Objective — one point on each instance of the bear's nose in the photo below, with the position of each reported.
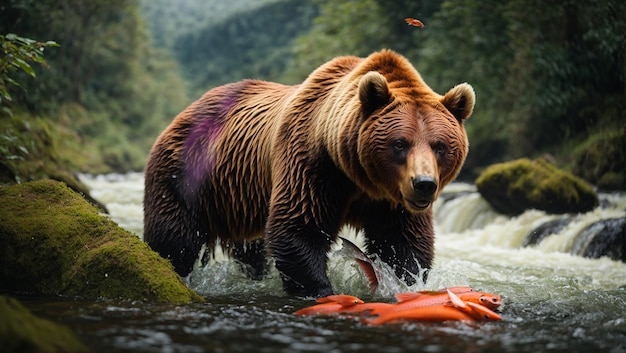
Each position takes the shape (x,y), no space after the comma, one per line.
(424,185)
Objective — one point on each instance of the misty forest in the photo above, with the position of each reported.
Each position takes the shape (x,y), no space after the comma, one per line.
(549,79)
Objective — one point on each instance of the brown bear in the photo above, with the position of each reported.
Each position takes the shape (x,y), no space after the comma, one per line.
(362,142)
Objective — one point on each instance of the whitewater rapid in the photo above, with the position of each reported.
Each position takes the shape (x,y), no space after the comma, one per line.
(552,299)
(474,244)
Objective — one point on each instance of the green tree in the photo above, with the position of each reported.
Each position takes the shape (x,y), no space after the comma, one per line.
(468,42)
(107,81)
(252,44)
(545,72)
(343,27)
(17,52)
(170,20)
(360,27)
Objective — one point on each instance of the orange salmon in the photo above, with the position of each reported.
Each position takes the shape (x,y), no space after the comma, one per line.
(481,312)
(425,313)
(454,289)
(488,300)
(407,301)
(363,308)
(468,294)
(456,310)
(477,311)
(343,299)
(412,300)
(424,298)
(424,306)
(338,309)
(332,304)
(320,309)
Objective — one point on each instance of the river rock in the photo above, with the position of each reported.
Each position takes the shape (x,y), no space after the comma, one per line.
(52,241)
(547,229)
(21,331)
(606,237)
(516,186)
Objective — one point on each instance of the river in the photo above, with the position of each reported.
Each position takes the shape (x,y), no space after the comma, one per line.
(553,301)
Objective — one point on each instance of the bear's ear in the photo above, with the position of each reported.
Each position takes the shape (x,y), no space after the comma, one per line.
(460,101)
(373,92)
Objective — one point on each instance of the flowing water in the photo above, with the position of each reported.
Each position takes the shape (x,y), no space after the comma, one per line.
(553,301)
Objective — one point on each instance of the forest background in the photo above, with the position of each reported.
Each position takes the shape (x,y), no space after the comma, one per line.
(549,76)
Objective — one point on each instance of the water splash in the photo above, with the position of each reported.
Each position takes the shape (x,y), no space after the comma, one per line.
(474,246)
(552,300)
(468,213)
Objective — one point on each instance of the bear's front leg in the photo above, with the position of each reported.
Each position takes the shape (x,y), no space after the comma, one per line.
(300,254)
(251,257)
(402,239)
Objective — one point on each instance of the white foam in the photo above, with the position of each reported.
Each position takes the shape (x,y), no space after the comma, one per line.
(474,246)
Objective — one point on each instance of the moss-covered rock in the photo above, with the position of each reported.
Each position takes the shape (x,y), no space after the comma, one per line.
(52,241)
(21,331)
(601,159)
(516,186)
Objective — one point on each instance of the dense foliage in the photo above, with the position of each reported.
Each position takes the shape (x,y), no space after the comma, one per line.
(255,44)
(549,76)
(17,54)
(358,27)
(546,73)
(105,81)
(171,20)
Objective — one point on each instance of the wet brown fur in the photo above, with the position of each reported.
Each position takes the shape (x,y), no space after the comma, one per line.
(293,164)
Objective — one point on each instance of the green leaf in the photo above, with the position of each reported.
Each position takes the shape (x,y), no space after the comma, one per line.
(7,111)
(12,81)
(23,149)
(4,94)
(25,67)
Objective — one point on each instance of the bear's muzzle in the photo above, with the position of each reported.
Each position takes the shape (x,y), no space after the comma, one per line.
(425,189)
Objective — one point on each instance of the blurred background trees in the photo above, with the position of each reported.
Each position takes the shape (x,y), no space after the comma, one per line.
(549,76)
(106,82)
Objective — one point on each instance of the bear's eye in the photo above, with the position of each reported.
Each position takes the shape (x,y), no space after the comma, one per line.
(440,148)
(399,145)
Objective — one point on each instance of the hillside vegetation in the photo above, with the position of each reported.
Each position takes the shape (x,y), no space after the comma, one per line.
(549,76)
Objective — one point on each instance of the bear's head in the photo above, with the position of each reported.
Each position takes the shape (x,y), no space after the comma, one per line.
(411,141)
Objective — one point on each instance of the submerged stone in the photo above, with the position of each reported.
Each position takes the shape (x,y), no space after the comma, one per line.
(606,237)
(554,226)
(516,186)
(21,331)
(52,241)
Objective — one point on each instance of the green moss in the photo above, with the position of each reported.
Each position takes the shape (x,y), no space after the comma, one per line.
(52,241)
(612,181)
(522,184)
(601,159)
(109,270)
(21,331)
